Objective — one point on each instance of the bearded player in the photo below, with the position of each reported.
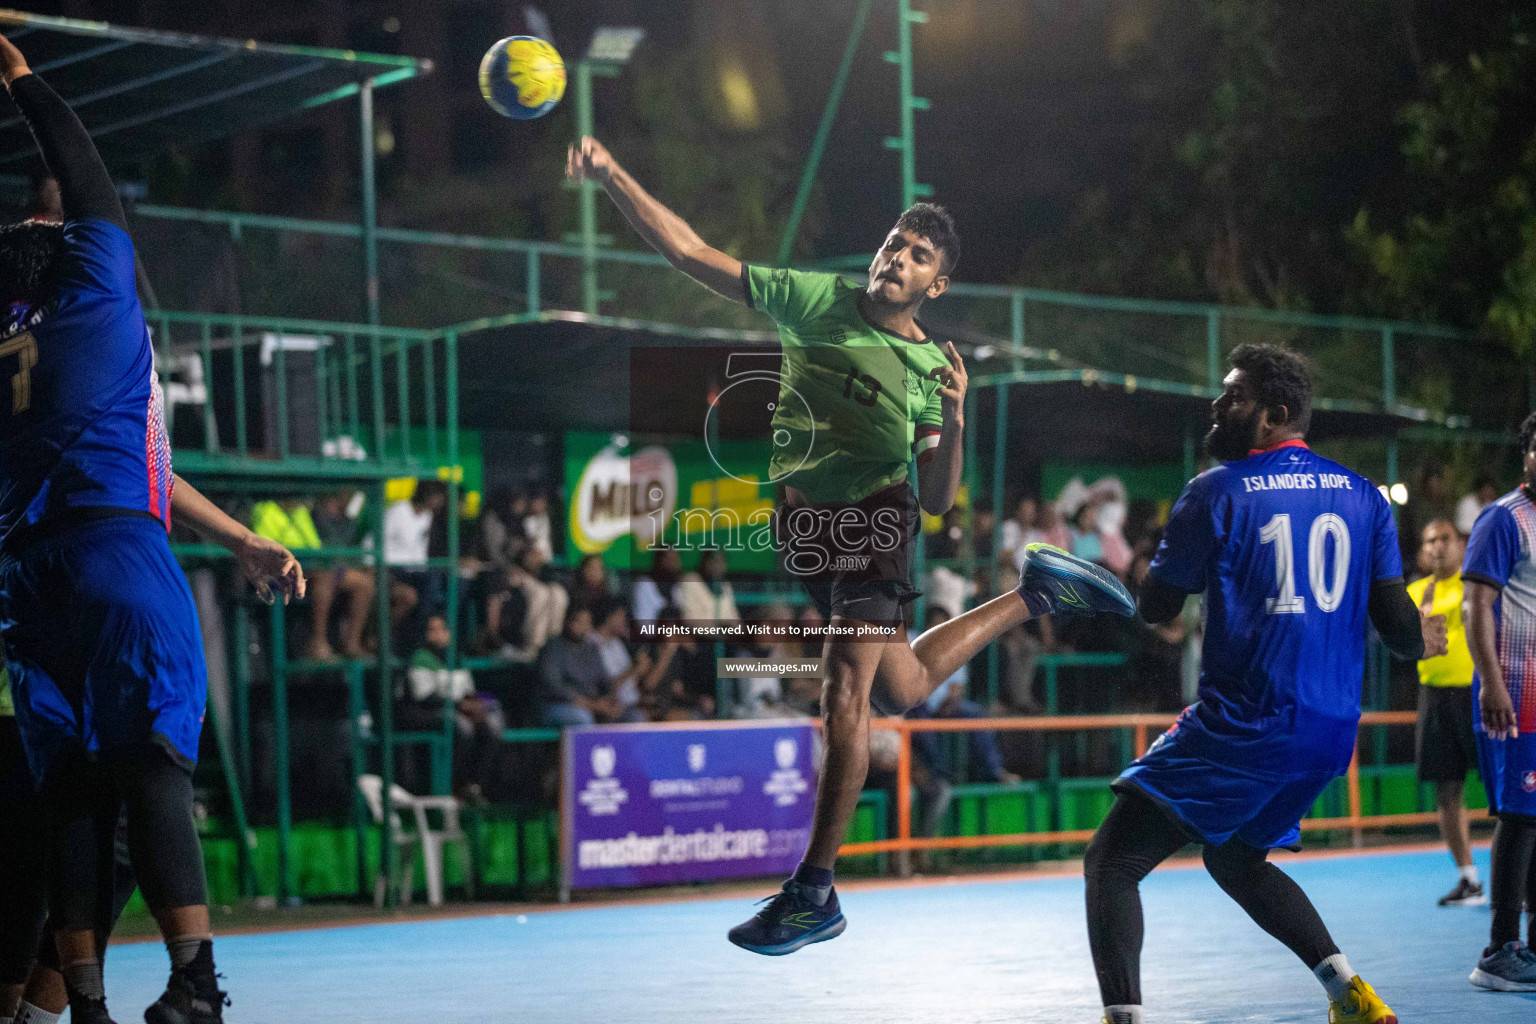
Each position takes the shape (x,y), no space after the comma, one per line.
(864,389)
(1297,557)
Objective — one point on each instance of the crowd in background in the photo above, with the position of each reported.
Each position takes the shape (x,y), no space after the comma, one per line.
(553,645)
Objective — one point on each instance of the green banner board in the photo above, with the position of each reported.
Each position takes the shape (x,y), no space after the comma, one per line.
(627,493)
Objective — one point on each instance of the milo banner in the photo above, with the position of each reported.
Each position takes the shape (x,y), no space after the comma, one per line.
(662,804)
(627,495)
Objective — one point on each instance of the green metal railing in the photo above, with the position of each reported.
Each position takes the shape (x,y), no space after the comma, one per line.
(365,405)
(1427,372)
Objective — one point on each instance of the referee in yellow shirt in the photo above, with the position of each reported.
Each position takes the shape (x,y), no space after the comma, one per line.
(1443,740)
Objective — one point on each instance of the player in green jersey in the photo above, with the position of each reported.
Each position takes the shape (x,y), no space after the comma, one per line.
(864,389)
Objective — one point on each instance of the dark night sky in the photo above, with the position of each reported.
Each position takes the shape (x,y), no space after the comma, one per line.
(1035,102)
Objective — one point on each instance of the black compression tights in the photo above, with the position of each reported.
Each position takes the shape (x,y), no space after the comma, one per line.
(1135,838)
(1512,879)
(84,800)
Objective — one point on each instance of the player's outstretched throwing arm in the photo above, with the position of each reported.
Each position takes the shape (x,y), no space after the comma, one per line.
(662,229)
(85,188)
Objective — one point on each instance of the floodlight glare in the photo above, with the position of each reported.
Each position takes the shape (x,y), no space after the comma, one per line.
(615,45)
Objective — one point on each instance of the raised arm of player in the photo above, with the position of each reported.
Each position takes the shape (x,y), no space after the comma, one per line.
(259,559)
(662,229)
(85,188)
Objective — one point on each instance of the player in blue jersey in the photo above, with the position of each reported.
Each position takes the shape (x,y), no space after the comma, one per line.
(1296,556)
(32,986)
(102,641)
(1499,608)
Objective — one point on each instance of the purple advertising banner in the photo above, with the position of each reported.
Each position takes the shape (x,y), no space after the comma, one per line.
(657,804)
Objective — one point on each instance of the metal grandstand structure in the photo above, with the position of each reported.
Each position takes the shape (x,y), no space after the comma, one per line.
(294,404)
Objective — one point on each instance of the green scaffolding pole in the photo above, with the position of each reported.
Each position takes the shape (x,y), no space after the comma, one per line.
(280,740)
(389,854)
(999,477)
(370,204)
(589,240)
(588,193)
(246,866)
(906,143)
(823,132)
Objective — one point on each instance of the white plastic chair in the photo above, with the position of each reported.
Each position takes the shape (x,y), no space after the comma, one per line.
(431,841)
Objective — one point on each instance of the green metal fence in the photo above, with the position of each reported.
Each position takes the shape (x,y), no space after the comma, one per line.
(286,406)
(294,405)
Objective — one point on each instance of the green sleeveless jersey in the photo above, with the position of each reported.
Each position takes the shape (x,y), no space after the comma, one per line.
(855,402)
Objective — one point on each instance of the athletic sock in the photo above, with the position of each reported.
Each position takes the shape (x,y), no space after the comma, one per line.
(184,949)
(1125,1014)
(29,1014)
(815,882)
(84,979)
(7,1020)
(1469,874)
(1335,974)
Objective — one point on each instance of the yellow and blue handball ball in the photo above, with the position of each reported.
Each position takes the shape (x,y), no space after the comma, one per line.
(522,77)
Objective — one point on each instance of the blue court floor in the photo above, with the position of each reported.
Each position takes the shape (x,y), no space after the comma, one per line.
(971,951)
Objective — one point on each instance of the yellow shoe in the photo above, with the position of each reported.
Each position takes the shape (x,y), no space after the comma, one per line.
(1361,1006)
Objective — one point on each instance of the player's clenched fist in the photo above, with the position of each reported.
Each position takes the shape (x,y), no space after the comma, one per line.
(588,158)
(1498,712)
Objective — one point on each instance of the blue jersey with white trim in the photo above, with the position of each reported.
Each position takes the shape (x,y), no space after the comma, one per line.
(1285,545)
(1502,554)
(84,425)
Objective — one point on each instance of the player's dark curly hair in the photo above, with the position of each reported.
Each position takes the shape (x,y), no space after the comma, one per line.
(1528,433)
(30,255)
(1279,377)
(933,222)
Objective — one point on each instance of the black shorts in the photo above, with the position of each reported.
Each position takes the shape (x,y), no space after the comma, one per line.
(855,561)
(1443,743)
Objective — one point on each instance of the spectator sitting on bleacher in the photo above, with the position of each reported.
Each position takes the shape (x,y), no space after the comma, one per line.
(681,682)
(502,539)
(653,592)
(1050,528)
(802,694)
(1085,533)
(590,583)
(407,534)
(1015,531)
(525,610)
(573,682)
(477,718)
(536,526)
(949,701)
(624,671)
(704,595)
(763,696)
(290,524)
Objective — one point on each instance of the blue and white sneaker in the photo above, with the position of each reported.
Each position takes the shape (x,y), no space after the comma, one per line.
(790,921)
(1073,585)
(1511,968)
